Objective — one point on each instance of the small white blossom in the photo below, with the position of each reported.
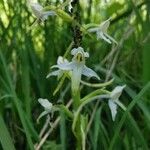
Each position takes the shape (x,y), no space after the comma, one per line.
(101,32)
(48,107)
(46,104)
(39,12)
(78,67)
(114,98)
(58,72)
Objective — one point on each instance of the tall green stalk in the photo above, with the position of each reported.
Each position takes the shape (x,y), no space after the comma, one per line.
(76,94)
(77,132)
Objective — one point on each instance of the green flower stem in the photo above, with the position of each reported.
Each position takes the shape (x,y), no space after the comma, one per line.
(65,110)
(77,113)
(76,99)
(77,131)
(68,49)
(93,94)
(78,105)
(60,84)
(97,85)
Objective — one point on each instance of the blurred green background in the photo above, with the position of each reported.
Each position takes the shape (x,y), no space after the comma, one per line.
(26,57)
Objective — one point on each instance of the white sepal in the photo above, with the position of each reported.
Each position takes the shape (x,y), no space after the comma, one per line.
(115,94)
(46,104)
(89,72)
(114,100)
(113,109)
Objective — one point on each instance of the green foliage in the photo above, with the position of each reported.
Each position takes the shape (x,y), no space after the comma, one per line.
(26,56)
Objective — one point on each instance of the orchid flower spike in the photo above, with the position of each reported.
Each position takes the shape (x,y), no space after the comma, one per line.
(114,98)
(58,72)
(48,107)
(101,31)
(78,67)
(39,12)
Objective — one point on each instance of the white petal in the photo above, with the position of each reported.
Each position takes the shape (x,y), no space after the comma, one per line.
(66,66)
(36,6)
(74,51)
(113,109)
(41,115)
(101,35)
(79,50)
(46,104)
(115,94)
(61,60)
(112,39)
(86,54)
(89,72)
(54,73)
(37,9)
(104,25)
(70,6)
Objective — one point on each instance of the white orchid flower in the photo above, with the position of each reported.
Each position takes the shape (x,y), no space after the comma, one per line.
(48,107)
(58,72)
(114,99)
(101,32)
(39,12)
(78,67)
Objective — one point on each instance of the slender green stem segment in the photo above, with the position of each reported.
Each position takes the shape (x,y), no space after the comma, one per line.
(5,137)
(77,38)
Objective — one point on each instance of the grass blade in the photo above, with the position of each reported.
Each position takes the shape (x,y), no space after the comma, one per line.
(5,138)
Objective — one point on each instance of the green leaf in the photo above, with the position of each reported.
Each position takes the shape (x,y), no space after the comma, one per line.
(5,137)
(115,6)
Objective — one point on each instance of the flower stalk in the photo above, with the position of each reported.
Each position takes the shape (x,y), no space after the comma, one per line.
(74,69)
(77,37)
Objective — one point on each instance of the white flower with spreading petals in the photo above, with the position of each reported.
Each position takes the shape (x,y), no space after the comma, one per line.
(58,72)
(48,107)
(78,67)
(39,12)
(101,32)
(114,99)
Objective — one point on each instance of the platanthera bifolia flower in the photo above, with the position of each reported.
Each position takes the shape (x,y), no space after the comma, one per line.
(101,32)
(48,107)
(114,98)
(77,67)
(39,12)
